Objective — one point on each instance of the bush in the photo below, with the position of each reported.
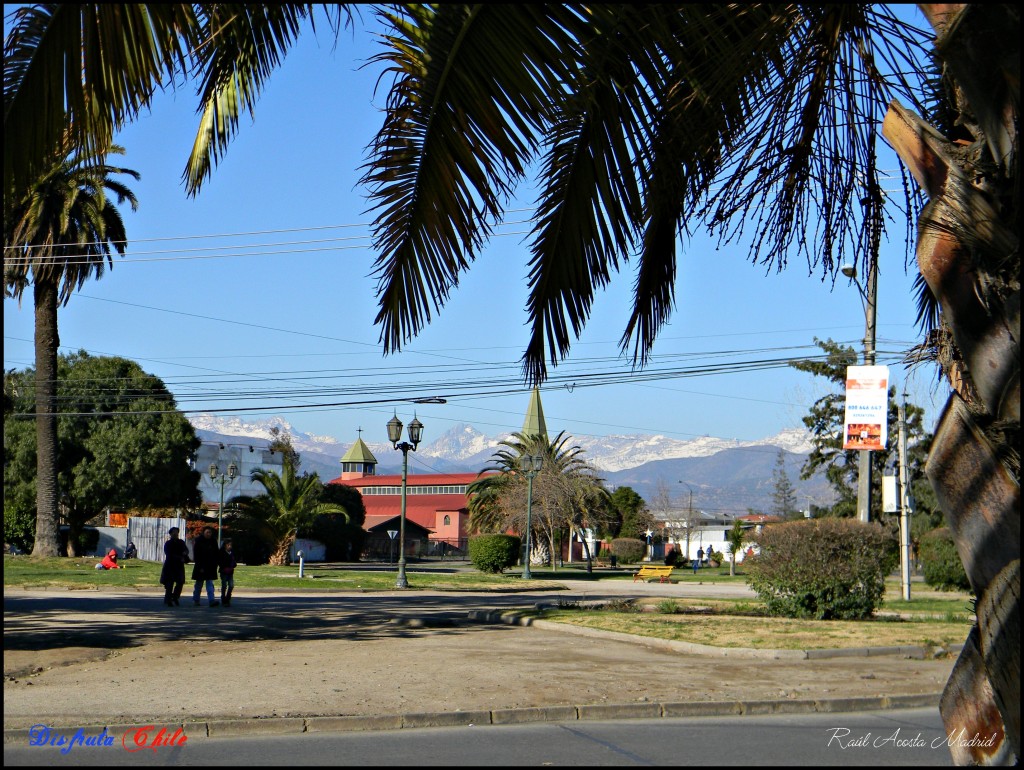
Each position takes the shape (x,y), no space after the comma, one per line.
(494,553)
(823,568)
(628,549)
(672,558)
(941,562)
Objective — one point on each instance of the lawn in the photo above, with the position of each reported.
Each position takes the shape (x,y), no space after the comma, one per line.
(81,573)
(931,619)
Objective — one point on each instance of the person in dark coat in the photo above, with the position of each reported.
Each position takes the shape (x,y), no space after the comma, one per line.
(227,572)
(206,556)
(172,576)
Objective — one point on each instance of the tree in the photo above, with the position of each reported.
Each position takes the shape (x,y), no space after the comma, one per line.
(567,493)
(644,122)
(825,422)
(281,441)
(61,231)
(631,510)
(783,494)
(289,503)
(122,443)
(735,537)
(342,535)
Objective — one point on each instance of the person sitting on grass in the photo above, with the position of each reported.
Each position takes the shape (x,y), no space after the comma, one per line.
(109,561)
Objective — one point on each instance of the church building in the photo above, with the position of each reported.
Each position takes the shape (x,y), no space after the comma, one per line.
(436,507)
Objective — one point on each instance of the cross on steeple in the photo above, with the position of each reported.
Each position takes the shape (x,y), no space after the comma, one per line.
(360,432)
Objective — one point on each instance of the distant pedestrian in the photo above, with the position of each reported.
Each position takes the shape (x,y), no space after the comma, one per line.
(205,555)
(708,555)
(130,551)
(700,555)
(172,576)
(696,562)
(109,561)
(227,572)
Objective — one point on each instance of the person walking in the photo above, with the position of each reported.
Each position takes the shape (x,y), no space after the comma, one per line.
(205,555)
(172,575)
(698,560)
(227,572)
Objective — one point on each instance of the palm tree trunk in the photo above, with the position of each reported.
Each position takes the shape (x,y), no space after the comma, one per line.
(279,558)
(967,239)
(47,542)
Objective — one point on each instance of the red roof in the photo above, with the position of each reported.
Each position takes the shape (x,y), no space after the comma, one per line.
(414,480)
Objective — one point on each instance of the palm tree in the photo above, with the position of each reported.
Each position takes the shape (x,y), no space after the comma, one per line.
(645,122)
(735,537)
(568,494)
(61,233)
(289,503)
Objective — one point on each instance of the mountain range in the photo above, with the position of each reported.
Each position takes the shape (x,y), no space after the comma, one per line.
(724,475)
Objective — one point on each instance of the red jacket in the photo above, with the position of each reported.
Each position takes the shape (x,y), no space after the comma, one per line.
(110,560)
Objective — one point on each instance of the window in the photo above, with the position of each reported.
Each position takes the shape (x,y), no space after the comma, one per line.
(447,520)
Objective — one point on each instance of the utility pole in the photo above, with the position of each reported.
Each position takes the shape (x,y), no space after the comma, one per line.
(905,501)
(870,302)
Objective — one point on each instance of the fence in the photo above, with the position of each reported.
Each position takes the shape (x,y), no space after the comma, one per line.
(149,535)
(386,550)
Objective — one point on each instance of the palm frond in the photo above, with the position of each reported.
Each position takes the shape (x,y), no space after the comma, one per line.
(471,87)
(83,69)
(244,44)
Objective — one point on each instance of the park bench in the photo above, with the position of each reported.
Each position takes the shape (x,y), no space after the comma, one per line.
(663,573)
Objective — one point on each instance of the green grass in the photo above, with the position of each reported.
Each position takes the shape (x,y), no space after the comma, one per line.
(80,573)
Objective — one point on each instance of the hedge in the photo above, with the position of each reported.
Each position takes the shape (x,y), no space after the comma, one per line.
(494,553)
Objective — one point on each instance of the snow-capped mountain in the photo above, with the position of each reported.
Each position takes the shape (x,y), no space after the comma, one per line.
(465,446)
(726,474)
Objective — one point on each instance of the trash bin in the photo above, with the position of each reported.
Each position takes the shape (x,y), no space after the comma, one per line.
(614,560)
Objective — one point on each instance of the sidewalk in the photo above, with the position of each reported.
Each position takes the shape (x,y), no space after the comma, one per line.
(279,661)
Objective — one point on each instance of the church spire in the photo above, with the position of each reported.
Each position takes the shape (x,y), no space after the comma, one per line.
(534,424)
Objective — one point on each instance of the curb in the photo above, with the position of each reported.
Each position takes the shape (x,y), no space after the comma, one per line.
(516,619)
(592,712)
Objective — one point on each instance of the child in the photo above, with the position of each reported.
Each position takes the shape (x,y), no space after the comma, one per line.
(227,573)
(109,561)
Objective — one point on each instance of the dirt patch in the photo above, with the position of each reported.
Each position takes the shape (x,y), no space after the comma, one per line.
(415,670)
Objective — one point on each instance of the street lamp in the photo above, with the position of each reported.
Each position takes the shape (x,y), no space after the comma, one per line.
(395,436)
(530,465)
(689,519)
(869,300)
(217,478)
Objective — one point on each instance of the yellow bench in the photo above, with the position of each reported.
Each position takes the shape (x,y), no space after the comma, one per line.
(663,573)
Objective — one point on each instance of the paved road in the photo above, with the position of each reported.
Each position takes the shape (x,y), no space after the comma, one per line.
(89,657)
(905,738)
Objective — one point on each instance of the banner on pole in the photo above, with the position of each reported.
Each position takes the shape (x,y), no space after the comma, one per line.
(867,407)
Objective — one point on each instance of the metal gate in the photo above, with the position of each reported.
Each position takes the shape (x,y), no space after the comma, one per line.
(149,535)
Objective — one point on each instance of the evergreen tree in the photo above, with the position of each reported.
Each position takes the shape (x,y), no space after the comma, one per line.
(783,493)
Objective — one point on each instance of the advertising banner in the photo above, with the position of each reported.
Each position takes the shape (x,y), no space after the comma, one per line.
(867,407)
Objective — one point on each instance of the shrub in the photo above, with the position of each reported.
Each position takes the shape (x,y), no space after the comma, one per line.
(629,550)
(941,562)
(822,568)
(672,558)
(494,553)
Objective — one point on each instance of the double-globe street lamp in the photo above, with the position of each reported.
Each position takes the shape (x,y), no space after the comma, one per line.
(395,436)
(869,299)
(530,465)
(223,479)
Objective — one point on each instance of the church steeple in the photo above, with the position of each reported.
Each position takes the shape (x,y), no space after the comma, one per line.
(534,424)
(358,461)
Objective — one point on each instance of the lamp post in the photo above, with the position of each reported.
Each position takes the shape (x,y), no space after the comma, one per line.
(689,519)
(869,300)
(395,436)
(530,465)
(218,478)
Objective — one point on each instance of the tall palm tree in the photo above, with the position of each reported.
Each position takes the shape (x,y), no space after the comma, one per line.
(289,503)
(568,494)
(57,236)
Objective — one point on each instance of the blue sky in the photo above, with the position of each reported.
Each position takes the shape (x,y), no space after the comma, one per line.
(294,315)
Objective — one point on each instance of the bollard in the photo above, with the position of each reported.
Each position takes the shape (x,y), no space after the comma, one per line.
(302,563)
